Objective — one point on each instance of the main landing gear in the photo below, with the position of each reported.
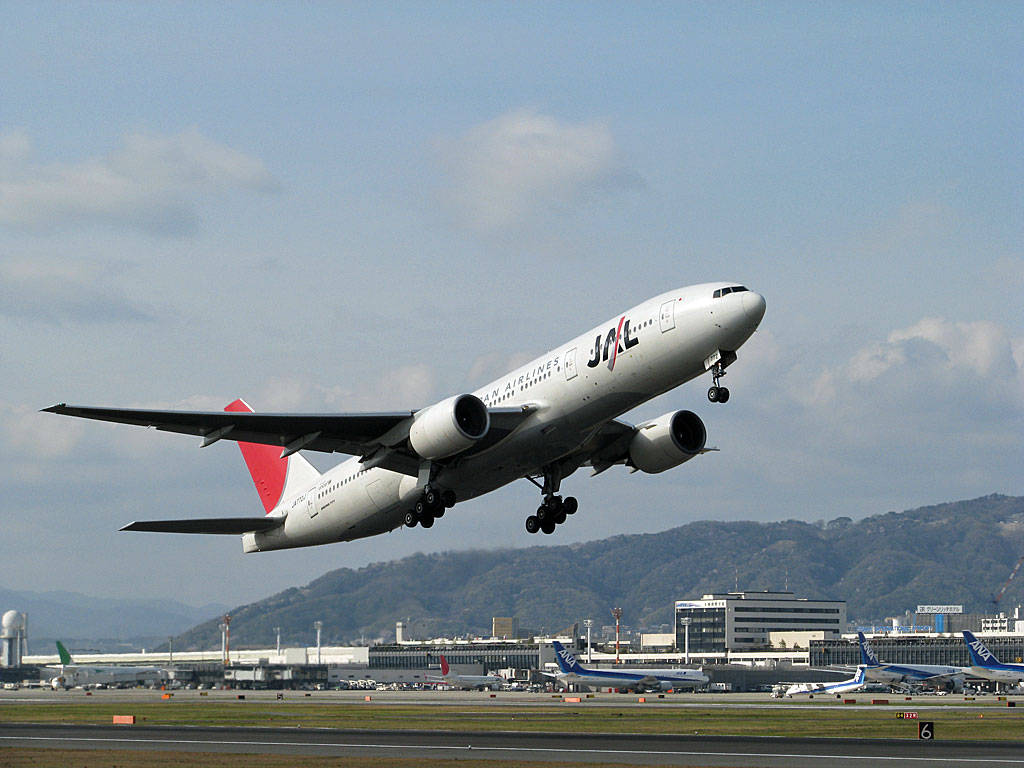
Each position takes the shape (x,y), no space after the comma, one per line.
(431,505)
(552,512)
(554,509)
(717,394)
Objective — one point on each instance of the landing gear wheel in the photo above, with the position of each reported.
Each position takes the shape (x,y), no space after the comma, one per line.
(411,518)
(532,524)
(431,497)
(570,505)
(548,526)
(448,499)
(560,517)
(439,512)
(718,394)
(543,513)
(427,521)
(420,508)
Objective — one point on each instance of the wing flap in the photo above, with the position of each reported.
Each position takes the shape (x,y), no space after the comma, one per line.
(214,525)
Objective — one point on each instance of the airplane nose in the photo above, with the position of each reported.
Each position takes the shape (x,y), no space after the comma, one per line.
(753,306)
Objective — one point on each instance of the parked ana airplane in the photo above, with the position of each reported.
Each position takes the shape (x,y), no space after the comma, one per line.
(73,675)
(908,674)
(466,682)
(855,683)
(541,422)
(572,672)
(985,665)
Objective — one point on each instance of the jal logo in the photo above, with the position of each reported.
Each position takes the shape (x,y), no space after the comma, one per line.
(982,651)
(608,346)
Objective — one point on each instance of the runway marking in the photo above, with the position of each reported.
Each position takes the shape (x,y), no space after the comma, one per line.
(566,750)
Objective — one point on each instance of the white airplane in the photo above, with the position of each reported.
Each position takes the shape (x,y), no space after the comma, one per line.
(71,675)
(985,665)
(572,672)
(855,683)
(466,682)
(541,422)
(908,674)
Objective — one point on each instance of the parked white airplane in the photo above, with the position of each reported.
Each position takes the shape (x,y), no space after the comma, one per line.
(985,665)
(467,682)
(638,679)
(71,675)
(909,674)
(541,422)
(855,683)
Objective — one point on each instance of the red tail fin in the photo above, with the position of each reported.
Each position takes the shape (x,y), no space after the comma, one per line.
(444,665)
(265,464)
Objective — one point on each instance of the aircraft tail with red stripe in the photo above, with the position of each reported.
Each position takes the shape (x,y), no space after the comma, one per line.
(275,478)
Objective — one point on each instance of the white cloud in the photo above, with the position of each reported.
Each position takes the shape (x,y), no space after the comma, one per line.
(32,435)
(940,349)
(150,183)
(523,164)
(58,292)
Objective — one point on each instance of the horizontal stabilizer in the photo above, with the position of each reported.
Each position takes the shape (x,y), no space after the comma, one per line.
(236,525)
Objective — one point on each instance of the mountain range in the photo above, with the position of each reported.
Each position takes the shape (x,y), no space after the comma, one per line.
(882,565)
(101,623)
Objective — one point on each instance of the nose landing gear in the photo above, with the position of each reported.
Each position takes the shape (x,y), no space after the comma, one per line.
(717,394)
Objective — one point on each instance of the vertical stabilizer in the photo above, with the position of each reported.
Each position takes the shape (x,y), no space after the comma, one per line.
(65,657)
(868,657)
(566,660)
(275,478)
(981,656)
(444,666)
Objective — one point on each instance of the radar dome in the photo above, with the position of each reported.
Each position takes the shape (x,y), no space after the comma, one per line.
(12,621)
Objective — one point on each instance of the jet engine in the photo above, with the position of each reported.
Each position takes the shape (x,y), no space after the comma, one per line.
(448,427)
(667,441)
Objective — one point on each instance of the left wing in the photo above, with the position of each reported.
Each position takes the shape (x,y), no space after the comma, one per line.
(226,525)
(380,438)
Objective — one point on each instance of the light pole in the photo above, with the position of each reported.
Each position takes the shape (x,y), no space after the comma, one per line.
(170,650)
(617,613)
(319,625)
(685,621)
(588,623)
(225,640)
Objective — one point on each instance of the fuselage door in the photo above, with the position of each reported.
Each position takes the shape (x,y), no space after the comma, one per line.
(570,364)
(667,316)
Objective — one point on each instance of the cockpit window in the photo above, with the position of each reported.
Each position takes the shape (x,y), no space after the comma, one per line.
(731,289)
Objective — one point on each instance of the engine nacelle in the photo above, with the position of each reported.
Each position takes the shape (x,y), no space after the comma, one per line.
(667,441)
(448,427)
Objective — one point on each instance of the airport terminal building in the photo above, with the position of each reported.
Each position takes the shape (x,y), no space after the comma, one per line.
(745,621)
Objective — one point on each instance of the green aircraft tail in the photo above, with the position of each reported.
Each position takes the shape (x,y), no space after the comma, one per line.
(65,657)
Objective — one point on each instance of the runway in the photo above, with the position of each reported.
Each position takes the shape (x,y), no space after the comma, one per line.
(740,752)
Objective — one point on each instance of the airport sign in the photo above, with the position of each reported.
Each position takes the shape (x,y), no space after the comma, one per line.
(940,609)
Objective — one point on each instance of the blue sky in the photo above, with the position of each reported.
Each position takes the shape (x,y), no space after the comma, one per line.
(357,207)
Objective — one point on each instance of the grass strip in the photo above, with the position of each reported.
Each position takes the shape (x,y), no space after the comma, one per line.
(981,723)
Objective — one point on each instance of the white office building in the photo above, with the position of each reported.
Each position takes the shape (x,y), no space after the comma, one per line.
(744,621)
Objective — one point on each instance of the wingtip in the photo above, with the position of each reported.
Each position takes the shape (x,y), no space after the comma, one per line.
(58,408)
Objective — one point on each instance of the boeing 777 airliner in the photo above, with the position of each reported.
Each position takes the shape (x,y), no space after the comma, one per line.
(541,422)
